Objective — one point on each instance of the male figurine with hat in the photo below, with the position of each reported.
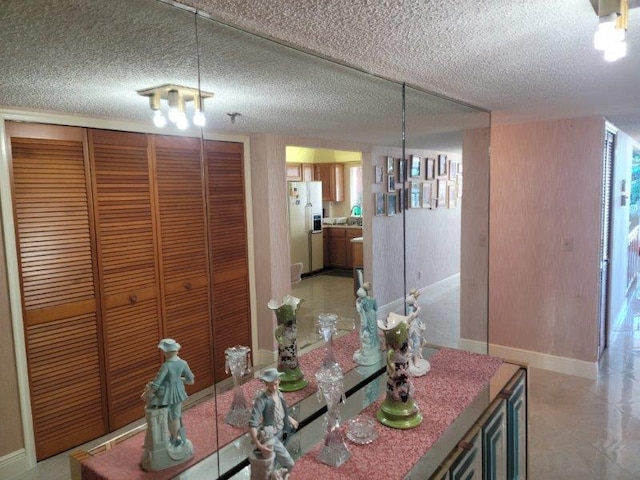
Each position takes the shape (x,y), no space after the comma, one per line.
(166,391)
(270,426)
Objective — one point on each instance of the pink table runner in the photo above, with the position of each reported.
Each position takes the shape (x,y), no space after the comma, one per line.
(123,461)
(455,380)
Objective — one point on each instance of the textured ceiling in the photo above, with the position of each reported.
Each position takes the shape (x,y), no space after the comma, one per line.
(522,60)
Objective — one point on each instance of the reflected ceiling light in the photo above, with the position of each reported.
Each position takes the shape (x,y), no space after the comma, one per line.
(177,99)
(612,28)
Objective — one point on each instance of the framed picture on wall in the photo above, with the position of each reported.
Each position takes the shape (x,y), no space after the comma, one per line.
(391,183)
(378,174)
(390,162)
(402,204)
(459,185)
(453,169)
(451,195)
(442,164)
(402,169)
(441,194)
(427,194)
(415,194)
(430,168)
(379,204)
(392,202)
(415,162)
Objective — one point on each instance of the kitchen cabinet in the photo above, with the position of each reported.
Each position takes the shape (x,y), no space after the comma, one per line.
(338,247)
(332,177)
(300,172)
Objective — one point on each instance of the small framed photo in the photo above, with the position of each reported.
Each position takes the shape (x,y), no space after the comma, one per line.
(402,170)
(415,194)
(453,169)
(441,194)
(451,195)
(391,202)
(415,162)
(427,194)
(459,185)
(379,203)
(442,164)
(390,163)
(402,202)
(430,168)
(378,174)
(391,183)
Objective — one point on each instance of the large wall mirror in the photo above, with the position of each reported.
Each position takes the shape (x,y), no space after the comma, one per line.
(165,232)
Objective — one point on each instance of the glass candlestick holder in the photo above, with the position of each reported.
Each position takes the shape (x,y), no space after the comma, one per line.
(238,363)
(327,328)
(334,451)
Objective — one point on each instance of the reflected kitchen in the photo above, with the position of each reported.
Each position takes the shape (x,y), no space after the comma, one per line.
(324,189)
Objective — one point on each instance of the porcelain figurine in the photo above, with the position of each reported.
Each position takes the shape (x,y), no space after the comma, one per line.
(399,409)
(270,427)
(418,365)
(287,336)
(367,308)
(165,443)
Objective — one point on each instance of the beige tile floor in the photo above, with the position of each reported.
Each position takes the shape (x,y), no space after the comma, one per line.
(578,428)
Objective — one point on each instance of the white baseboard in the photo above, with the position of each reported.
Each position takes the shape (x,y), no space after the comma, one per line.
(427,294)
(265,357)
(570,366)
(475,346)
(13,464)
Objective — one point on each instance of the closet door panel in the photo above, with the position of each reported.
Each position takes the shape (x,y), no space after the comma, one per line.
(229,258)
(128,270)
(58,280)
(184,253)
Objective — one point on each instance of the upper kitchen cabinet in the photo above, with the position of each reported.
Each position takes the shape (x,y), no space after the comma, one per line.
(332,177)
(300,172)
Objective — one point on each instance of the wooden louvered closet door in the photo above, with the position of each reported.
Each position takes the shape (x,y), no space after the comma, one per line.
(129,277)
(229,258)
(58,282)
(183,251)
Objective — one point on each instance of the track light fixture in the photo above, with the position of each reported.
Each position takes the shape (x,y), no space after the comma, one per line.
(177,99)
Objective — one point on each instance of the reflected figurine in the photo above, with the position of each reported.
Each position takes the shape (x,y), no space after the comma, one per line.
(367,307)
(270,426)
(417,364)
(164,396)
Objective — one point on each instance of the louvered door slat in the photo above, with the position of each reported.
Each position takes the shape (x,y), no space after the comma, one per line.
(128,273)
(181,209)
(229,260)
(57,275)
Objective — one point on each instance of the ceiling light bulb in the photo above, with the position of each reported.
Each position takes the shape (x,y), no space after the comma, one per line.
(198,119)
(615,51)
(158,119)
(182,122)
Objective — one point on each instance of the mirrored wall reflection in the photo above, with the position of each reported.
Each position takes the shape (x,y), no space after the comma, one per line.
(192,228)
(446,204)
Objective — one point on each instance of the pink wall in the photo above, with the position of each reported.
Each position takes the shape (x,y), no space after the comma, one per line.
(545,192)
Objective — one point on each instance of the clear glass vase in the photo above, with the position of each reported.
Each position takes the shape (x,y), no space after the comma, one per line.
(334,451)
(327,328)
(238,363)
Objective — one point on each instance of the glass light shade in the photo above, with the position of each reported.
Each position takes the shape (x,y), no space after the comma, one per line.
(198,119)
(615,51)
(159,119)
(182,123)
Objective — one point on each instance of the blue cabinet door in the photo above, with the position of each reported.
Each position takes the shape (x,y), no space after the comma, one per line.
(517,428)
(468,466)
(494,443)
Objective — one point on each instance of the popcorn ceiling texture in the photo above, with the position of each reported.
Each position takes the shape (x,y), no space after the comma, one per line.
(522,60)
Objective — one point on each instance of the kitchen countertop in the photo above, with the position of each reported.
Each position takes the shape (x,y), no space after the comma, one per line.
(342,226)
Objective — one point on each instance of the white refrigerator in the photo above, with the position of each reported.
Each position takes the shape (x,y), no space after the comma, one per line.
(305,224)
